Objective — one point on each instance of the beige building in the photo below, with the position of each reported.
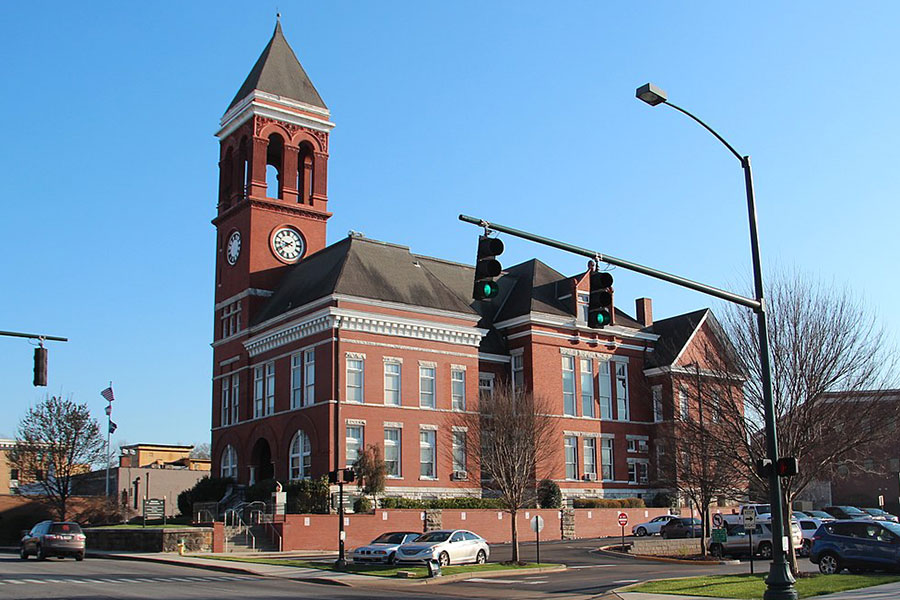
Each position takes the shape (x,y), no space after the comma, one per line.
(161,455)
(9,477)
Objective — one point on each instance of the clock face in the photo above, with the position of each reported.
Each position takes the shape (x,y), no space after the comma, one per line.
(287,244)
(233,248)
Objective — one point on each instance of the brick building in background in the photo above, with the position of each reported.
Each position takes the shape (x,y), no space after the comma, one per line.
(321,350)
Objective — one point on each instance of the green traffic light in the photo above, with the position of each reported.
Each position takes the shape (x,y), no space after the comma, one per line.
(485,290)
(602,318)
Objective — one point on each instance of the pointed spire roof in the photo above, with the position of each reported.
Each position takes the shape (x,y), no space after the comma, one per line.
(277,71)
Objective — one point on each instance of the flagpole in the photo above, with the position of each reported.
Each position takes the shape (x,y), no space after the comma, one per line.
(108,434)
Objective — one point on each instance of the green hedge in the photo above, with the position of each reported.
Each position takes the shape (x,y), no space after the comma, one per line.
(398,502)
(608,503)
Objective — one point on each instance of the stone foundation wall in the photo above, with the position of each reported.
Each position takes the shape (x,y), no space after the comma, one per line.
(196,539)
(657,546)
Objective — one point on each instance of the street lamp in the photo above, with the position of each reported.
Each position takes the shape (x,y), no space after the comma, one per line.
(780,582)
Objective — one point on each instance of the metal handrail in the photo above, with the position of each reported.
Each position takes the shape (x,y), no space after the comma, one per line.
(237,521)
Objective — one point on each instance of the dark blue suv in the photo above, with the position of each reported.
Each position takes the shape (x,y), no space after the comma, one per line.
(857,546)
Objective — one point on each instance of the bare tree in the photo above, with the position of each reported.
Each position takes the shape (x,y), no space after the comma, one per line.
(514,438)
(831,371)
(56,440)
(371,472)
(201,450)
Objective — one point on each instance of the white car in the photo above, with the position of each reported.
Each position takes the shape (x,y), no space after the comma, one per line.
(447,546)
(808,526)
(383,549)
(652,526)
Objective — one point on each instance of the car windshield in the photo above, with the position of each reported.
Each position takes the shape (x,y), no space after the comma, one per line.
(891,526)
(434,536)
(875,511)
(851,510)
(389,538)
(65,528)
(819,514)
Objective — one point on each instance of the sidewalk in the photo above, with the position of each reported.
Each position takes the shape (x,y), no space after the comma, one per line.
(888,591)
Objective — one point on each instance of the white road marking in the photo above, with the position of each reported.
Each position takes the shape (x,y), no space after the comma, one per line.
(14,581)
(627,581)
(590,566)
(33,580)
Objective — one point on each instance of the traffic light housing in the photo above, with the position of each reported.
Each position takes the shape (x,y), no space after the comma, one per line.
(487,268)
(600,305)
(764,467)
(342,476)
(40,366)
(349,475)
(787,466)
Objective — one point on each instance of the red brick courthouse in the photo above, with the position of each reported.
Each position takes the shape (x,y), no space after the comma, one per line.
(322,349)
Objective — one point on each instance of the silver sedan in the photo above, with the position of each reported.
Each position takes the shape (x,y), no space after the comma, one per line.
(447,546)
(383,549)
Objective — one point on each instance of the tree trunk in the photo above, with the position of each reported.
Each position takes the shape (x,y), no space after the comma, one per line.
(791,553)
(515,536)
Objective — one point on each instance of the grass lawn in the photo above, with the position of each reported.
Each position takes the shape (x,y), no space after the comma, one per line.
(382,571)
(753,586)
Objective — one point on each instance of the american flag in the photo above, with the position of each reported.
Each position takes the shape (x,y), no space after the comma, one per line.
(108,394)
(108,410)
(112,427)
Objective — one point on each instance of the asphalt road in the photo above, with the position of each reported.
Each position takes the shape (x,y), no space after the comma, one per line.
(590,575)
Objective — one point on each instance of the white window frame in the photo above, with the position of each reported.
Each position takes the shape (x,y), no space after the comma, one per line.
(568,385)
(570,454)
(638,471)
(623,406)
(428,443)
(589,445)
(607,459)
(458,390)
(517,365)
(486,384)
(583,301)
(604,389)
(259,391)
(427,373)
(656,393)
(394,444)
(235,398)
(309,377)
(351,440)
(225,416)
(229,464)
(458,451)
(300,457)
(684,404)
(588,409)
(356,365)
(392,382)
(297,380)
(270,387)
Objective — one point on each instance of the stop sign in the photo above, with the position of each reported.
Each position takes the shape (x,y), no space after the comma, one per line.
(623,519)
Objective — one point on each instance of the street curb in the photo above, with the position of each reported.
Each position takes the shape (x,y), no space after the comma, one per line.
(605,550)
(480,575)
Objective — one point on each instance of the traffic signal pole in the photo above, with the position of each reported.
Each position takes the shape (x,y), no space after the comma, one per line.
(40,353)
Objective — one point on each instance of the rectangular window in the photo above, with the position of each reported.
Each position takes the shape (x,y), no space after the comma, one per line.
(459,450)
(309,377)
(604,388)
(571,446)
(637,472)
(583,302)
(590,457)
(231,319)
(427,453)
(637,445)
(486,385)
(716,408)
(622,392)
(426,387)
(355,379)
(458,389)
(392,383)
(568,379)
(392,451)
(235,397)
(656,392)
(226,401)
(587,388)
(354,443)
(606,458)
(259,391)
(518,372)
(270,388)
(684,403)
(296,380)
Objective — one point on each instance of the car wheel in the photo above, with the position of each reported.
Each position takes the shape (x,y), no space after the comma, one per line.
(79,556)
(392,558)
(22,553)
(444,559)
(40,553)
(716,550)
(765,550)
(641,532)
(829,564)
(664,534)
(481,557)
(805,548)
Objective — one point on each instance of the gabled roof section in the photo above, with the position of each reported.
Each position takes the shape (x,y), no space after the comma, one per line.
(536,289)
(675,332)
(367,269)
(277,71)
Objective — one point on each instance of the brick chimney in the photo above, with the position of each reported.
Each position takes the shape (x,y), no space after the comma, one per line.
(643,309)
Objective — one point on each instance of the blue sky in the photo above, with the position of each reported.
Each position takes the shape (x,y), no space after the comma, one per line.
(508,111)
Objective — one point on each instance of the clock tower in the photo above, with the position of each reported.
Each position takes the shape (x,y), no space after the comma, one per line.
(273,164)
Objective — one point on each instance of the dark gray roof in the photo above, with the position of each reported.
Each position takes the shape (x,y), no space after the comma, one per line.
(277,71)
(674,333)
(367,269)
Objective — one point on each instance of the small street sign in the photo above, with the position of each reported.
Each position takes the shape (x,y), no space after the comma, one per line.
(719,535)
(537,523)
(622,519)
(749,515)
(718,520)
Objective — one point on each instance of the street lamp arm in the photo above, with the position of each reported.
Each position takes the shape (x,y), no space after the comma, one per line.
(708,128)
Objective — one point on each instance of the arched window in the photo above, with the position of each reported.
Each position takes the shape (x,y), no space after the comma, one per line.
(305,173)
(300,456)
(229,462)
(226,169)
(275,167)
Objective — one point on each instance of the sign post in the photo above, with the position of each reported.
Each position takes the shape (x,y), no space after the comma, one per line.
(749,515)
(623,521)
(537,525)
